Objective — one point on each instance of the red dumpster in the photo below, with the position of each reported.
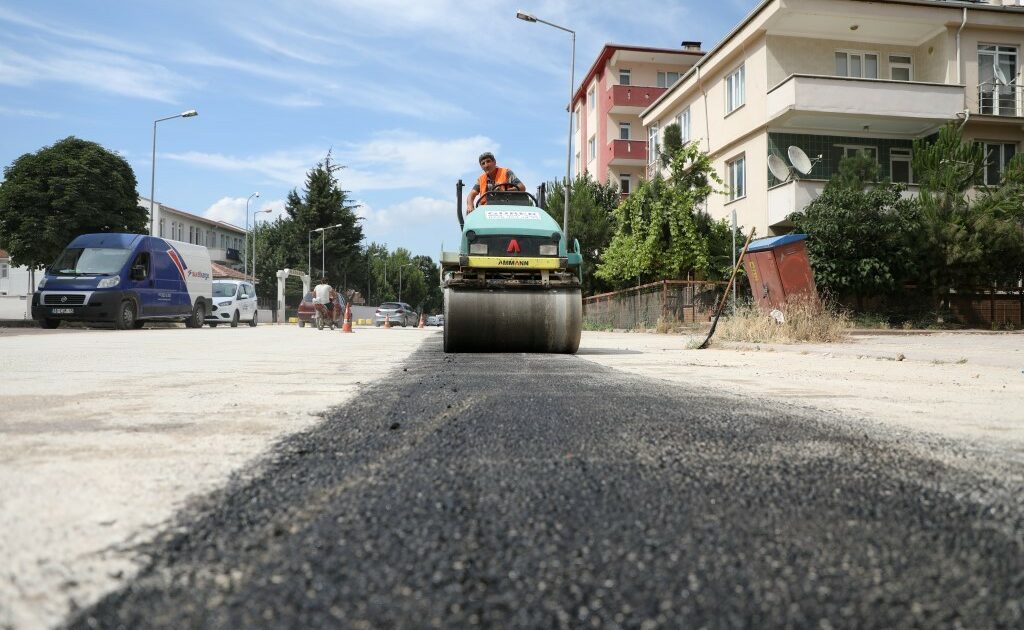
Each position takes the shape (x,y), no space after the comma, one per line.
(778,268)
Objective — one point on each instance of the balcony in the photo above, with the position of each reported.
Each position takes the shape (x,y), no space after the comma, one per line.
(1001,100)
(221,255)
(795,194)
(626,153)
(841,105)
(630,99)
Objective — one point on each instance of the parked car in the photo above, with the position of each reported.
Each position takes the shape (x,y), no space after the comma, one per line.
(127,279)
(431,320)
(400,313)
(306,310)
(233,301)
(440,319)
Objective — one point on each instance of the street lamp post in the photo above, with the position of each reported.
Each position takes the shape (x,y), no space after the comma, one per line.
(152,175)
(245,251)
(323,257)
(254,233)
(526,17)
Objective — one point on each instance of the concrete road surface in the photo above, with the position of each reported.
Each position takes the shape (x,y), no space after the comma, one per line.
(546,491)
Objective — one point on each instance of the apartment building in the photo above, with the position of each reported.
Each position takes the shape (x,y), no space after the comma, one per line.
(837,77)
(226,242)
(609,138)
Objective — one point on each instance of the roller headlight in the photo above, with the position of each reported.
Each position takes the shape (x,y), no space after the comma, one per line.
(549,250)
(478,248)
(109,283)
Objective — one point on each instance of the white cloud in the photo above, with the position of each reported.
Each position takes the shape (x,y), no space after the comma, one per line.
(102,41)
(286,167)
(98,70)
(232,210)
(412,212)
(26,113)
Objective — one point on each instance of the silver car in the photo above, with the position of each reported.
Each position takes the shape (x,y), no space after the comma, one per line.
(400,314)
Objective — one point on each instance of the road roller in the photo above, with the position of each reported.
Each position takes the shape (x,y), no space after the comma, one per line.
(515,284)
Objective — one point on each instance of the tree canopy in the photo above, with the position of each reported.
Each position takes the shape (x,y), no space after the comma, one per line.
(662,230)
(591,222)
(70,188)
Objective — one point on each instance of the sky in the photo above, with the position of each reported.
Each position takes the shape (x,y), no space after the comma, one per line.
(405,94)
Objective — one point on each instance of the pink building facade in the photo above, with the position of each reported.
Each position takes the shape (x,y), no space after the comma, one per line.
(609,139)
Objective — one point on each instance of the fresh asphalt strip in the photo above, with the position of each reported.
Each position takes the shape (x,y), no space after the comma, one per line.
(546,491)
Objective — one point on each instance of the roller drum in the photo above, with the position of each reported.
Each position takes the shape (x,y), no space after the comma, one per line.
(510,320)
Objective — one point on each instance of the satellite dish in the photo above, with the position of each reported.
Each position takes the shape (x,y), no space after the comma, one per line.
(1000,75)
(799,160)
(778,168)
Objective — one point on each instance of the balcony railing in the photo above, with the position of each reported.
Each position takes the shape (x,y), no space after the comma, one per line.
(626,98)
(1001,100)
(627,152)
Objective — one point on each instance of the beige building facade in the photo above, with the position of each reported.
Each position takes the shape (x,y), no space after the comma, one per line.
(833,78)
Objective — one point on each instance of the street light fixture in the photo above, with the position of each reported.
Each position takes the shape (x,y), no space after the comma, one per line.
(323,257)
(245,251)
(254,232)
(152,175)
(526,17)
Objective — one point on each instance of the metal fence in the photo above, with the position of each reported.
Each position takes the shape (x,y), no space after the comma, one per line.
(643,306)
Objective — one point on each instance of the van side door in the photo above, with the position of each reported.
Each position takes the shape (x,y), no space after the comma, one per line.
(167,280)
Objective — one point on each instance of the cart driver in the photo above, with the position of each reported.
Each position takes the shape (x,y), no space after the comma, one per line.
(322,294)
(493,177)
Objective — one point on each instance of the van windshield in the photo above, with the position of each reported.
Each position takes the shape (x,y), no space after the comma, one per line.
(90,260)
(223,289)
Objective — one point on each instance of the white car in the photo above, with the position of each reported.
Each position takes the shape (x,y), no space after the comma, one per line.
(233,301)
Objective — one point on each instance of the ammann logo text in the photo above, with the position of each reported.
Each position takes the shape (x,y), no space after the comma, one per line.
(512,262)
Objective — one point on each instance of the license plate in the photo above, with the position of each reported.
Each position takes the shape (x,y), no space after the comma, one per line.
(62,311)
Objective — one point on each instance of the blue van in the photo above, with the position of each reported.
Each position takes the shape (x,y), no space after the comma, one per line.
(127,279)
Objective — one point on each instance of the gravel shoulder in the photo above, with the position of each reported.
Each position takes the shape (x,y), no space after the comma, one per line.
(964,386)
(104,435)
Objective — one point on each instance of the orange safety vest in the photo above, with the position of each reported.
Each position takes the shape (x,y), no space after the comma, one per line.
(500,177)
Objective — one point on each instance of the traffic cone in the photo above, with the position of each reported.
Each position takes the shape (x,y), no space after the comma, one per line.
(422,321)
(348,319)
(387,321)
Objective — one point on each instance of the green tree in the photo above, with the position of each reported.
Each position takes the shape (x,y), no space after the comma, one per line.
(72,187)
(323,203)
(591,211)
(433,301)
(970,234)
(662,231)
(671,143)
(861,233)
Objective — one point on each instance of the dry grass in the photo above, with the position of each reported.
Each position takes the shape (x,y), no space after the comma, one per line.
(804,321)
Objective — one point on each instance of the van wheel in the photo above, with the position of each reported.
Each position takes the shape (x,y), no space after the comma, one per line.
(195,320)
(125,317)
(252,323)
(234,320)
(49,324)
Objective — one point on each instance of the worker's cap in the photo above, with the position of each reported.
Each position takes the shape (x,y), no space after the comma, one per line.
(485,155)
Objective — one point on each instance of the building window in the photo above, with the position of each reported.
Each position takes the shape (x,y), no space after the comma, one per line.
(683,120)
(734,91)
(850,150)
(161,228)
(901,67)
(591,101)
(4,271)
(191,234)
(899,166)
(623,131)
(737,178)
(577,162)
(856,64)
(652,144)
(624,181)
(997,156)
(624,77)
(997,68)
(591,149)
(667,79)
(576,120)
